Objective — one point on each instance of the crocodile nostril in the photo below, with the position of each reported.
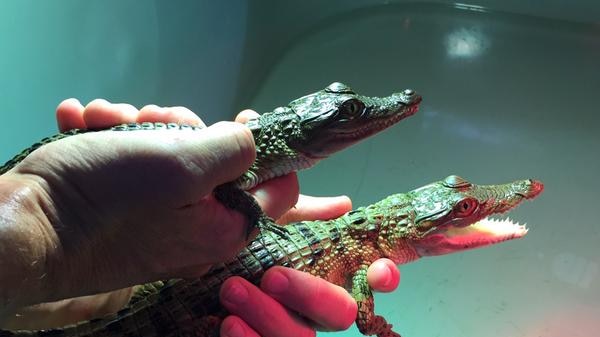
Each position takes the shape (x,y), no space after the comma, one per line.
(408,92)
(536,188)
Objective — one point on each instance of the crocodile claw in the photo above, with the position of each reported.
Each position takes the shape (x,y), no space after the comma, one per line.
(266,224)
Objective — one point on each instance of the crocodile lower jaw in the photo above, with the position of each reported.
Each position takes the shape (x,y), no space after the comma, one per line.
(490,229)
(482,233)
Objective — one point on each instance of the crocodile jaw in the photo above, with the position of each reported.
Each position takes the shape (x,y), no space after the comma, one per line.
(328,143)
(483,233)
(375,126)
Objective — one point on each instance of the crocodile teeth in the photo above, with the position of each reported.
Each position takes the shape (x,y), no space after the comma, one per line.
(488,230)
(501,227)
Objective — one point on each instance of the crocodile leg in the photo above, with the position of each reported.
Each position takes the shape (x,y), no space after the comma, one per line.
(367,322)
(440,218)
(235,198)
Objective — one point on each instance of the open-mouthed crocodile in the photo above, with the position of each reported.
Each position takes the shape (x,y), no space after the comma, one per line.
(289,138)
(444,217)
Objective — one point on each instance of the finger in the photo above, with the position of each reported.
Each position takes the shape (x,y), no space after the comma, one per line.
(184,165)
(99,113)
(233,326)
(278,195)
(219,153)
(175,114)
(312,297)
(69,115)
(383,275)
(316,208)
(268,317)
(190,163)
(246,115)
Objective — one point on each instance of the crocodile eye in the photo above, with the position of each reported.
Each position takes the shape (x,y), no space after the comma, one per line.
(351,108)
(465,207)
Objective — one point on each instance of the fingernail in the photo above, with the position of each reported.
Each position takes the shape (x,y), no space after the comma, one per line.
(276,283)
(234,329)
(384,270)
(236,294)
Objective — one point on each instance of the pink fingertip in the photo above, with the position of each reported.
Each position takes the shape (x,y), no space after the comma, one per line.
(233,293)
(275,282)
(233,328)
(383,276)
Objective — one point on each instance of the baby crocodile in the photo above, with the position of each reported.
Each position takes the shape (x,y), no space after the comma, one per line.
(289,138)
(440,218)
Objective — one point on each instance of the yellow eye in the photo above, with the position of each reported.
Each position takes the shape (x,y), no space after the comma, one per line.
(465,207)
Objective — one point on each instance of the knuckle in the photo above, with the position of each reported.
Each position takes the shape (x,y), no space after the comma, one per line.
(150,108)
(96,102)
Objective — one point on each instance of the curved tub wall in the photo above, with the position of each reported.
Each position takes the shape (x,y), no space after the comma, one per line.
(505,97)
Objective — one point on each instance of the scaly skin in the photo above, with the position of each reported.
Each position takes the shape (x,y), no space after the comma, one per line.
(440,218)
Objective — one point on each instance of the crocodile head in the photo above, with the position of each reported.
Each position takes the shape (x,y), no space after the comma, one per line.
(337,117)
(315,126)
(454,215)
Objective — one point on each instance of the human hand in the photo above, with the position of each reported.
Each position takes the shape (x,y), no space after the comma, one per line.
(275,197)
(291,303)
(123,208)
(71,114)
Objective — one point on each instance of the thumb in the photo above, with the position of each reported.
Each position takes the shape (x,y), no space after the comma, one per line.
(153,168)
(216,155)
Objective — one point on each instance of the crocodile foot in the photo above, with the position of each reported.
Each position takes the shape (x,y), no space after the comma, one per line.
(265,223)
(239,200)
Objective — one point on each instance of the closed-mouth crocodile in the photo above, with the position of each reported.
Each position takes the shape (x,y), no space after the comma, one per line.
(287,139)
